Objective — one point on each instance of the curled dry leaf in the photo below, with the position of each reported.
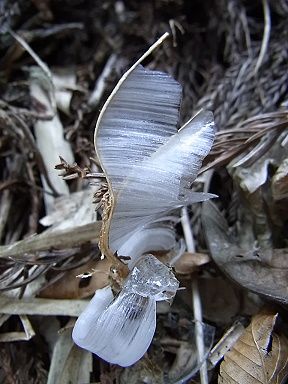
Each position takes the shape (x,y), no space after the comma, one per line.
(252,177)
(69,363)
(145,371)
(259,355)
(225,343)
(186,362)
(264,271)
(189,262)
(280,182)
(42,307)
(49,135)
(71,211)
(70,288)
(26,334)
(64,81)
(220,299)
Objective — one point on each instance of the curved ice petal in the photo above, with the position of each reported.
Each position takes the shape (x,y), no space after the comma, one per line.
(162,182)
(140,117)
(122,333)
(156,237)
(129,325)
(100,301)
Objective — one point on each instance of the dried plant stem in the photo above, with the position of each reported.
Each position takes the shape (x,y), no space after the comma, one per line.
(52,240)
(28,333)
(197,309)
(266,35)
(196,300)
(39,62)
(6,202)
(43,307)
(101,81)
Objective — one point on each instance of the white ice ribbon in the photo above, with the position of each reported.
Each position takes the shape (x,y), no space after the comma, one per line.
(149,166)
(120,330)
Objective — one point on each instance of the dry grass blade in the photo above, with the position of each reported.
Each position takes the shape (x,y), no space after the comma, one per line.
(264,272)
(26,334)
(57,239)
(30,258)
(230,56)
(69,364)
(225,343)
(44,307)
(197,307)
(266,34)
(247,136)
(259,355)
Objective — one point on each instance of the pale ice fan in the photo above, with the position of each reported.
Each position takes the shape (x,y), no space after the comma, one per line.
(149,165)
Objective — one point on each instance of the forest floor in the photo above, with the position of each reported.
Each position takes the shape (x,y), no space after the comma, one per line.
(59,61)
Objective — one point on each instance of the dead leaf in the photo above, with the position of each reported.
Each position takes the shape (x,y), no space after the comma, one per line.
(69,364)
(26,334)
(186,357)
(49,135)
(71,211)
(58,239)
(264,271)
(220,299)
(280,182)
(259,355)
(186,363)
(64,80)
(72,287)
(225,343)
(44,307)
(189,262)
(252,176)
(144,371)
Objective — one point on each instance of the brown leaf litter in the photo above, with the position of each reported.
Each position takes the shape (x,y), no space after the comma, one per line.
(230,56)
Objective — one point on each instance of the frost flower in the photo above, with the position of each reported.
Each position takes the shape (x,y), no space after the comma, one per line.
(149,166)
